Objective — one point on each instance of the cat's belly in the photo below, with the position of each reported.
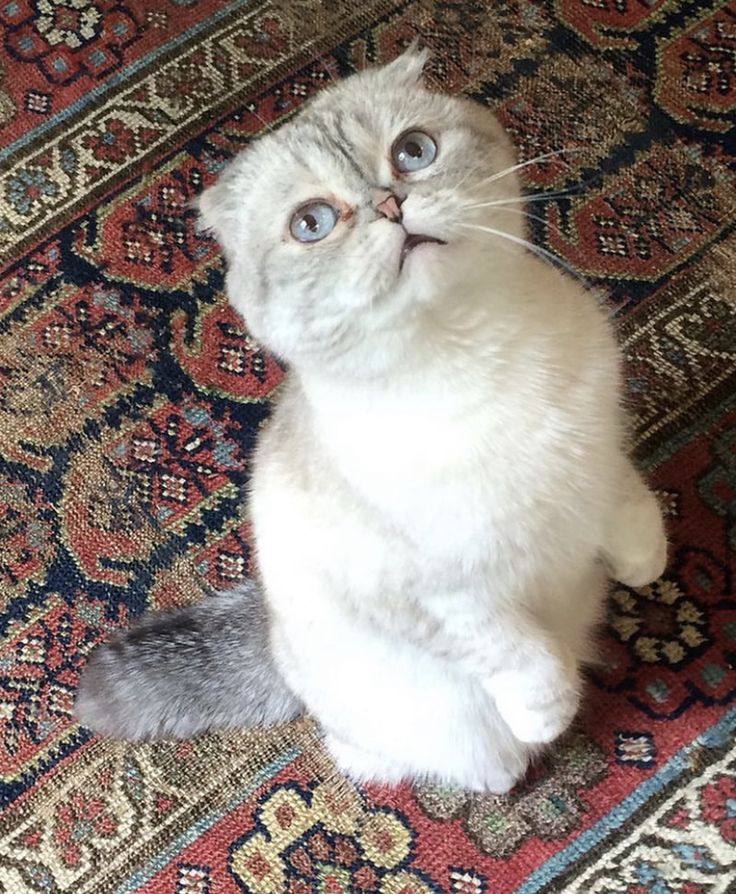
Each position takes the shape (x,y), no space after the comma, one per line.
(355,636)
(361,600)
(321,544)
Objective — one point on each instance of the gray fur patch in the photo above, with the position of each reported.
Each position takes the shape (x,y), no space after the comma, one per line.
(179,673)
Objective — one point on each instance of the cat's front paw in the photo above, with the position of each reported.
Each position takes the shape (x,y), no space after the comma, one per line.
(643,562)
(538,703)
(636,552)
(642,570)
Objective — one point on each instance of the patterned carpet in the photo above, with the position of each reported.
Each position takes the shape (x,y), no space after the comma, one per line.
(130,397)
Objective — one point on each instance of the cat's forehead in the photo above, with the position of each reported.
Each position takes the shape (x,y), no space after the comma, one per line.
(373,111)
(307,160)
(344,139)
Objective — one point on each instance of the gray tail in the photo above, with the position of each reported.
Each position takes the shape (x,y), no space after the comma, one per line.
(182,672)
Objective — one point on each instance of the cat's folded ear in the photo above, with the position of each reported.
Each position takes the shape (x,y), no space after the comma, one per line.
(217,207)
(409,66)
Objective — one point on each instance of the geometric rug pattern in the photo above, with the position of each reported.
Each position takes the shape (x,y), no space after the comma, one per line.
(131,395)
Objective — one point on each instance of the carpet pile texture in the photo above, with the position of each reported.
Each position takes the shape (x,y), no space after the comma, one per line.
(130,397)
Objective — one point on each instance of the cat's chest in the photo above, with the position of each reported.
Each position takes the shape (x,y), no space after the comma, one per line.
(435,467)
(404,447)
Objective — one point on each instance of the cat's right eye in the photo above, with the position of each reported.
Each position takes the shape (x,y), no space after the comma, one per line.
(313,221)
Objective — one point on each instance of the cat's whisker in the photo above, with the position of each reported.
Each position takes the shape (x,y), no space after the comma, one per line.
(502,203)
(535,249)
(326,68)
(545,223)
(267,124)
(465,176)
(530,199)
(525,164)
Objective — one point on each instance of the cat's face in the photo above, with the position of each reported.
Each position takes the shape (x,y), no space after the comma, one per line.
(343,223)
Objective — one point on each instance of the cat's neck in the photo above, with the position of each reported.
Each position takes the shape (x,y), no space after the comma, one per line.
(455,353)
(430,366)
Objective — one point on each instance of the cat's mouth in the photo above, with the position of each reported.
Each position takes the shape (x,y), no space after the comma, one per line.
(411,242)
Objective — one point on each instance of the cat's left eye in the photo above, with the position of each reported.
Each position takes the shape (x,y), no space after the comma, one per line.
(413,151)
(313,221)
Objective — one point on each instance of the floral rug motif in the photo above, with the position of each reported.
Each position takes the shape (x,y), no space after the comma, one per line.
(130,396)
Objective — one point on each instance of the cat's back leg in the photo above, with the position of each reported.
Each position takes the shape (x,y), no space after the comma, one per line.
(391,711)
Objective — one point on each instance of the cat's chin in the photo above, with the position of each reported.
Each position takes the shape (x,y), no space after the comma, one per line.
(420,253)
(414,241)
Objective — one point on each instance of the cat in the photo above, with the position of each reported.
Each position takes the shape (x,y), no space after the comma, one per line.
(443,487)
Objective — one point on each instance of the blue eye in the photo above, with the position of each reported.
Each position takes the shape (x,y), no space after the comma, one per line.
(413,151)
(313,221)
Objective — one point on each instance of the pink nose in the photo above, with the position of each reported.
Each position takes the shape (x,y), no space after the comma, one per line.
(390,208)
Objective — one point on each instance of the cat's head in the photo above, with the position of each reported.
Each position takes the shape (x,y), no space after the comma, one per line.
(340,227)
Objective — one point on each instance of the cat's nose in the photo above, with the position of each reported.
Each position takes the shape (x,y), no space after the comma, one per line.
(390,206)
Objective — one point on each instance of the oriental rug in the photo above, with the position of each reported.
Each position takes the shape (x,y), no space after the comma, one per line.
(130,396)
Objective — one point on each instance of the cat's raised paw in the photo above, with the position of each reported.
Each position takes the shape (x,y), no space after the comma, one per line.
(636,548)
(642,570)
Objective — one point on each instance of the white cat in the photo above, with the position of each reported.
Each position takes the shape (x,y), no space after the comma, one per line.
(444,479)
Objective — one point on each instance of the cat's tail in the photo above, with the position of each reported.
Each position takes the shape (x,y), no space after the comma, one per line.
(179,673)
